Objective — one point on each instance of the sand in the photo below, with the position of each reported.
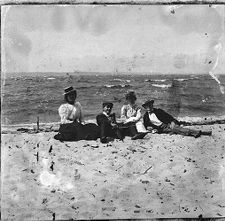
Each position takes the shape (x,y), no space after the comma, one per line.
(160,176)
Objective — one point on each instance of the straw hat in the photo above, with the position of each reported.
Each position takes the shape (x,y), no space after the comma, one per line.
(69,90)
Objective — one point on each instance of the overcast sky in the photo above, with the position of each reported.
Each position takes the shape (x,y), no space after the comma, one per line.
(164,39)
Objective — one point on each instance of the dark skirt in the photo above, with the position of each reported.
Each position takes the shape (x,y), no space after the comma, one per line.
(76,131)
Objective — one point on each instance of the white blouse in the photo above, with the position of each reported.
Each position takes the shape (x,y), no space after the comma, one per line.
(131,114)
(68,113)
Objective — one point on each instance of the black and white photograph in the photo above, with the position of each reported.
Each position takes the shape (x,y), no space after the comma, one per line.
(112,111)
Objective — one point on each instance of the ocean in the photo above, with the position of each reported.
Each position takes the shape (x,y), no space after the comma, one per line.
(24,98)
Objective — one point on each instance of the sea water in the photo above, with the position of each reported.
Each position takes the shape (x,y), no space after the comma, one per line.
(24,97)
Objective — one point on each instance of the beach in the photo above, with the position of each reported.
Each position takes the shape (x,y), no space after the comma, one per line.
(161,176)
(87,63)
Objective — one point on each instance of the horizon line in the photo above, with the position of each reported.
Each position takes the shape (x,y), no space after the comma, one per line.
(109,73)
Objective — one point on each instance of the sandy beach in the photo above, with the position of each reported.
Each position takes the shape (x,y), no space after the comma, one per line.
(108,63)
(160,176)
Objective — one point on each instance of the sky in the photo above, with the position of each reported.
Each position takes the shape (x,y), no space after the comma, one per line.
(143,39)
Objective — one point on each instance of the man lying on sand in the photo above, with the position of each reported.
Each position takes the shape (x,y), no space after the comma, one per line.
(107,123)
(159,121)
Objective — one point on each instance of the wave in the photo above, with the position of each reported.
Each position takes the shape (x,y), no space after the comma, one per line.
(117,79)
(185,79)
(181,79)
(163,80)
(194,77)
(85,87)
(121,80)
(160,80)
(161,85)
(50,78)
(155,80)
(117,86)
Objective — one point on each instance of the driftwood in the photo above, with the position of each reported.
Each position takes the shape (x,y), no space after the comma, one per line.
(206,122)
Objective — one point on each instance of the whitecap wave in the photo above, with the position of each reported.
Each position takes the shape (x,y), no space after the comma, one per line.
(117,86)
(121,80)
(161,85)
(117,79)
(160,80)
(182,79)
(155,80)
(185,79)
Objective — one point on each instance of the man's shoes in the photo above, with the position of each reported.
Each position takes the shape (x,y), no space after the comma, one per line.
(120,135)
(138,136)
(58,137)
(104,140)
(198,134)
(207,133)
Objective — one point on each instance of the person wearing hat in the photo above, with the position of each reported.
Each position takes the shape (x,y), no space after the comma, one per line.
(71,110)
(72,126)
(131,116)
(107,123)
(158,120)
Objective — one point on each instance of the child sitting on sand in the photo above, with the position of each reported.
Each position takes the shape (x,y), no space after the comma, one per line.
(159,121)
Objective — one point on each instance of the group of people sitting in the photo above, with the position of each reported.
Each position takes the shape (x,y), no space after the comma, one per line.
(133,122)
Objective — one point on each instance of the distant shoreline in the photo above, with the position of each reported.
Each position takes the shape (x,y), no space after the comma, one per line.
(81,73)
